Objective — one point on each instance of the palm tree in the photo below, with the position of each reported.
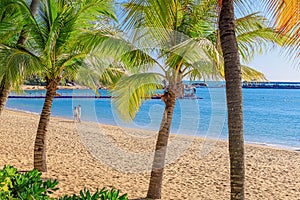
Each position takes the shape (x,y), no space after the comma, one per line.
(12,17)
(185,34)
(286,21)
(62,37)
(177,53)
(233,77)
(9,29)
(67,47)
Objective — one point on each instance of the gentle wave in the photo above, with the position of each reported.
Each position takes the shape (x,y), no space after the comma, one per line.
(20,110)
(279,146)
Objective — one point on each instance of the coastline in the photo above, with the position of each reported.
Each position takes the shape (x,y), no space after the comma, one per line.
(38,87)
(278,130)
(195,173)
(259,144)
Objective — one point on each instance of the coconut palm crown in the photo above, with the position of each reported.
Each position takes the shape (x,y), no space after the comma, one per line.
(184,40)
(13,34)
(61,38)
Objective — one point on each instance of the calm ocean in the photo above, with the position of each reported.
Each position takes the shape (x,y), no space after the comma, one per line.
(271,116)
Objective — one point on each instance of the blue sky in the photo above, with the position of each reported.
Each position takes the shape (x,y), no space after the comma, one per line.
(277,67)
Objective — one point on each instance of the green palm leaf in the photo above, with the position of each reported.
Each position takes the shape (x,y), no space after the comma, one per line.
(131,91)
(16,63)
(12,20)
(250,74)
(254,37)
(97,72)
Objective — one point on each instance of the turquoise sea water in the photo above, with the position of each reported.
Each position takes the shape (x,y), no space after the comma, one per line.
(271,116)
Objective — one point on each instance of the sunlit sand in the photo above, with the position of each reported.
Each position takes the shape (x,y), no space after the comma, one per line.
(270,173)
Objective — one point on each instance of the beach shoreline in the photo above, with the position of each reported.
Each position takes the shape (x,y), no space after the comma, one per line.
(258,144)
(194,172)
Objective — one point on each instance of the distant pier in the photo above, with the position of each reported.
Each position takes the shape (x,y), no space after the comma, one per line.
(271,85)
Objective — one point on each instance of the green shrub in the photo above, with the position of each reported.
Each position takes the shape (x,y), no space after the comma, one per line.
(103,194)
(28,185)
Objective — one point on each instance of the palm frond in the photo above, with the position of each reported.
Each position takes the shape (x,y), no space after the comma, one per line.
(131,91)
(198,55)
(111,76)
(287,21)
(254,36)
(106,43)
(132,52)
(138,61)
(88,77)
(257,42)
(250,74)
(72,21)
(203,70)
(196,49)
(95,72)
(16,63)
(13,17)
(285,13)
(62,34)
(89,10)
(158,14)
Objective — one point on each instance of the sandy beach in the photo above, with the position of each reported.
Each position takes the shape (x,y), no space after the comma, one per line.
(95,155)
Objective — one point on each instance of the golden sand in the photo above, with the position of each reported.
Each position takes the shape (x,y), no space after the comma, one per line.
(198,169)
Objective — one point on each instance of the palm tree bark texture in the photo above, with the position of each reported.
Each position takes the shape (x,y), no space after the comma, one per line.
(33,8)
(40,140)
(4,91)
(154,190)
(234,99)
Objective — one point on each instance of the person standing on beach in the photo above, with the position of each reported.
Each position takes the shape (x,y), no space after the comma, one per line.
(75,112)
(79,113)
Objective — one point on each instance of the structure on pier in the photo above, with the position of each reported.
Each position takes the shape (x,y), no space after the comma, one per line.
(272,85)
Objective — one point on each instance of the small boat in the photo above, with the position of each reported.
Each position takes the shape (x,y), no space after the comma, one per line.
(156,96)
(199,85)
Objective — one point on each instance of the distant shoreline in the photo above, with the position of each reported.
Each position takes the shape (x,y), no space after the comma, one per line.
(38,87)
(246,85)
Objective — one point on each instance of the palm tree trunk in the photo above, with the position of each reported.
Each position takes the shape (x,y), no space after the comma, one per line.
(234,99)
(154,190)
(40,140)
(24,34)
(4,92)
